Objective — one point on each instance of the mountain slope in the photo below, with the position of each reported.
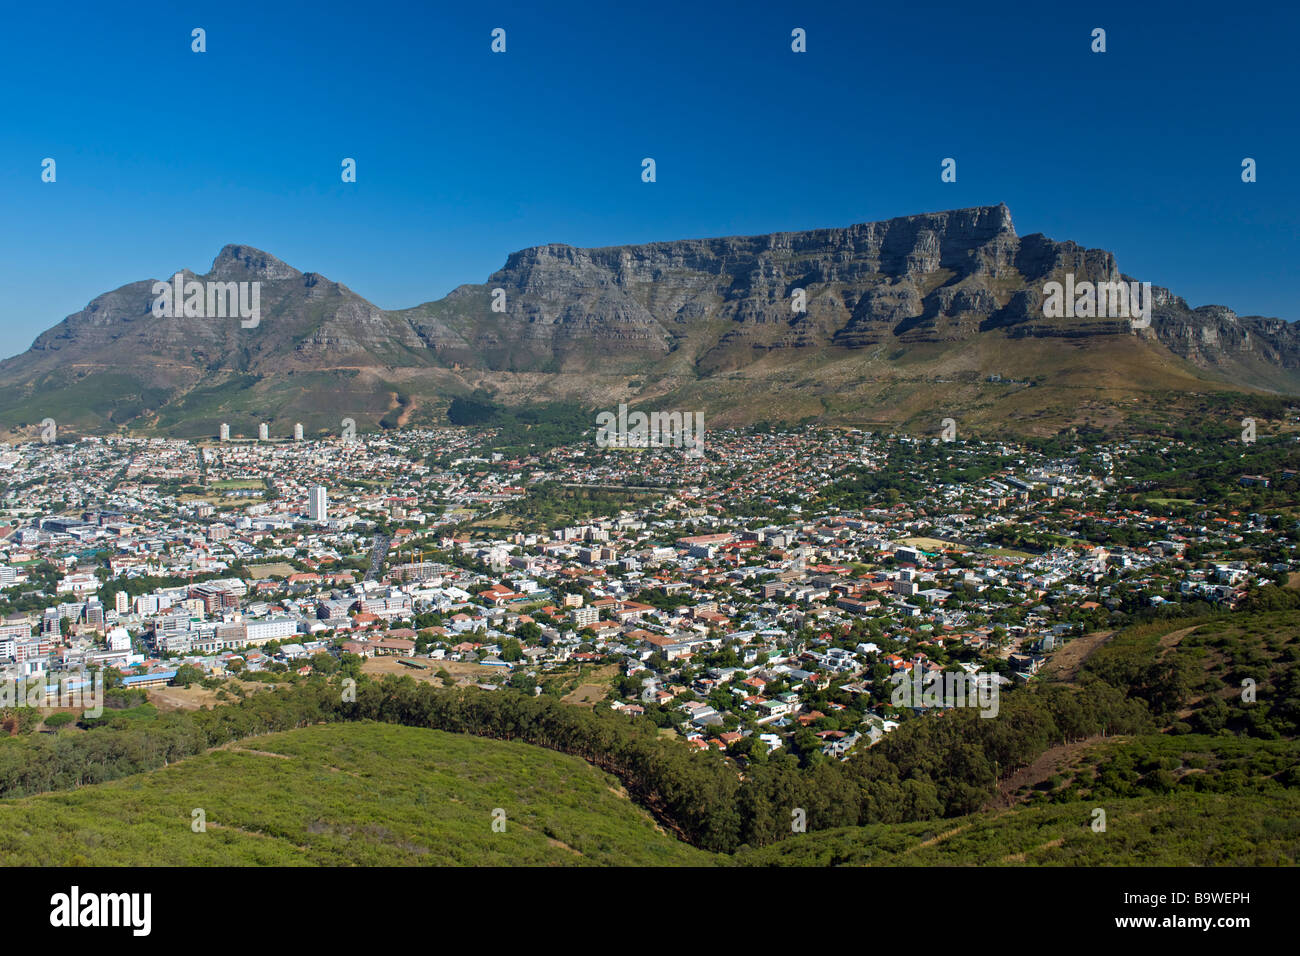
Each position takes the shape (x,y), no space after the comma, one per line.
(346,795)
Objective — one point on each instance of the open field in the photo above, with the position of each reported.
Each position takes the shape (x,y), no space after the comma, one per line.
(594,687)
(935,546)
(259,572)
(379,666)
(183,698)
(464,671)
(1008,553)
(927,544)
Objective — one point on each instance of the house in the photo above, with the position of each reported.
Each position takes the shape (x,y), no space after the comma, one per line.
(393,646)
(143,681)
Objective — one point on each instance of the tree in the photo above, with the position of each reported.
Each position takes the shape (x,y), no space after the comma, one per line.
(60,719)
(323,662)
(186,674)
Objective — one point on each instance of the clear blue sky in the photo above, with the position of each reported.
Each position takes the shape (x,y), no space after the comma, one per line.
(463,155)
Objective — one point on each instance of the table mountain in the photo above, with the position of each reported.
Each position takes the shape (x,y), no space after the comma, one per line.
(902,319)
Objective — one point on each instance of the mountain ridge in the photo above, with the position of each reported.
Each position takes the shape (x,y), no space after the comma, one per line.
(886,302)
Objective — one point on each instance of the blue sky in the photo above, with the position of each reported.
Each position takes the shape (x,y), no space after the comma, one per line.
(164,155)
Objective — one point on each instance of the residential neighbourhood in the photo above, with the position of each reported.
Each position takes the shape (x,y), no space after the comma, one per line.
(762,595)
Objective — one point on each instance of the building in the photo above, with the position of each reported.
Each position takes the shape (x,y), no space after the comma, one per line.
(157,679)
(583,616)
(317,503)
(93,614)
(270,629)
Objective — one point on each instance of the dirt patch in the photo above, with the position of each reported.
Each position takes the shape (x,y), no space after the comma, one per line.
(1020,857)
(196,696)
(1064,664)
(259,753)
(941,837)
(1049,763)
(560,844)
(253,833)
(405,418)
(590,693)
(185,698)
(463,671)
(1173,638)
(587,695)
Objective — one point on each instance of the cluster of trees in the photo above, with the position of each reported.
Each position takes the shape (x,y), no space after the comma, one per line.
(42,579)
(42,762)
(1237,674)
(532,428)
(1209,468)
(548,502)
(926,769)
(1150,766)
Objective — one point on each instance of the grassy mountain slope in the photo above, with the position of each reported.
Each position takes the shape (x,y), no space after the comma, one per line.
(1188,830)
(341,795)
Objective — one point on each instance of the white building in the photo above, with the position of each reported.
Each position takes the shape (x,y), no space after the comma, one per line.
(271,629)
(317,503)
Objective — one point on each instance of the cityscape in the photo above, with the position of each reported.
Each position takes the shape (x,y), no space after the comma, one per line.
(759,598)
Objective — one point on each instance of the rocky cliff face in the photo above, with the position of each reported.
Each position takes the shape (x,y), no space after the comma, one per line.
(940,277)
(928,275)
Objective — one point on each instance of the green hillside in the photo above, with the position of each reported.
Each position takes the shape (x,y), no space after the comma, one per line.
(343,795)
(1189,829)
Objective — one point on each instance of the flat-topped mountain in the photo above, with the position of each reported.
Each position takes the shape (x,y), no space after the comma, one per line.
(876,322)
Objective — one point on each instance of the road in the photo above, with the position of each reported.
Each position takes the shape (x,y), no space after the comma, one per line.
(378,552)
